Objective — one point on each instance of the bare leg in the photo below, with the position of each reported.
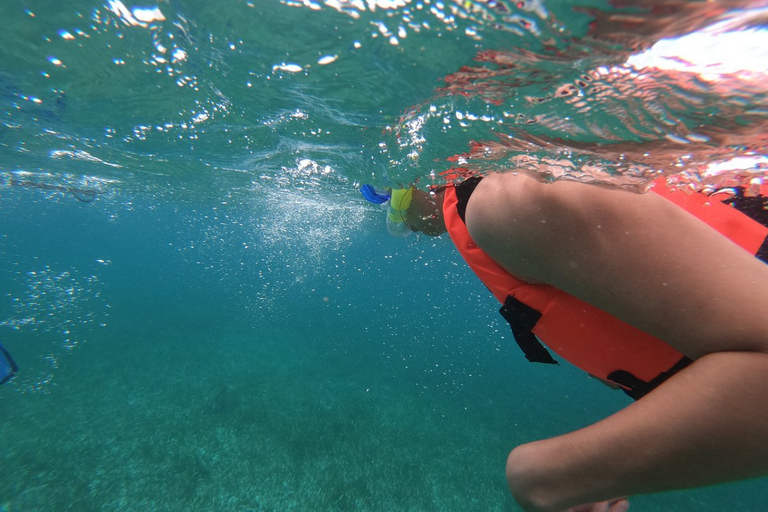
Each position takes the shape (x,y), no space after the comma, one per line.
(658,268)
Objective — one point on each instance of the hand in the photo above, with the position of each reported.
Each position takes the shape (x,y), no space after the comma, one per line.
(617,505)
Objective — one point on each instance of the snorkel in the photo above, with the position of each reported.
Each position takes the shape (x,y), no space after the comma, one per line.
(397,200)
(398,207)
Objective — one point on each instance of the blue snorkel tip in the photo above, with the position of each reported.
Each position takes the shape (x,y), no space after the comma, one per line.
(374,195)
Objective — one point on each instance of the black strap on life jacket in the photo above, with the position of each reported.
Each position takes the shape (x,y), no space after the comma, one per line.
(755,207)
(638,388)
(522,318)
(762,253)
(463,193)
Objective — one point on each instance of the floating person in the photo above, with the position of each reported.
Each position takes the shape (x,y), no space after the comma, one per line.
(8,367)
(659,294)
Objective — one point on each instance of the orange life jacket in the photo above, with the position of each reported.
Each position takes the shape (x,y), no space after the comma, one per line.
(580,333)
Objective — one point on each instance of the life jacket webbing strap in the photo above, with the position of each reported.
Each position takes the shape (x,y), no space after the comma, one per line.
(463,192)
(756,208)
(638,388)
(522,318)
(762,252)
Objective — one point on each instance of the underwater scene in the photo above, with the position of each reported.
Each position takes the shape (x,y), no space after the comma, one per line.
(207,315)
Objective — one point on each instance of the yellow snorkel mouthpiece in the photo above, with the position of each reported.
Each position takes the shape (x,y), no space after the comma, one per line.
(399,202)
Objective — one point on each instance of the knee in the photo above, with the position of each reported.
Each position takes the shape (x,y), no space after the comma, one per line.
(522,479)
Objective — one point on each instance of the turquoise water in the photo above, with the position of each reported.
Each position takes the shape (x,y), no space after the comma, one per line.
(205,313)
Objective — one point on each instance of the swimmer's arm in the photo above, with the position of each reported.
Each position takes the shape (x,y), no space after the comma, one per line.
(706,425)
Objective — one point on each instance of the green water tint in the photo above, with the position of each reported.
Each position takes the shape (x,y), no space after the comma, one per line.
(226,325)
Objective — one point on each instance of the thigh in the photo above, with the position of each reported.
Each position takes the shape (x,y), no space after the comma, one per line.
(636,256)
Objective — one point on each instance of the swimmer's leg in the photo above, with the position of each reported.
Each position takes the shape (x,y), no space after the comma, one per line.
(660,269)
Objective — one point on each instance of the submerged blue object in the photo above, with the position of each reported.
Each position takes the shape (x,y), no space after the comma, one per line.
(8,367)
(374,195)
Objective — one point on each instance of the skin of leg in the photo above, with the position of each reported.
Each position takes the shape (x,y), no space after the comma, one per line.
(658,268)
